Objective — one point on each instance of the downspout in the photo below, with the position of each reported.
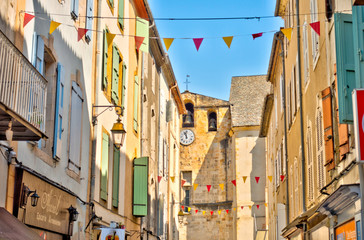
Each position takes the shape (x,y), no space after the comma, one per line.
(141,127)
(285,124)
(301,111)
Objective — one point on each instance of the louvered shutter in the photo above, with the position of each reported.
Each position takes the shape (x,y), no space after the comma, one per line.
(104,60)
(89,19)
(115,74)
(123,87)
(309,166)
(121,14)
(140,187)
(74,9)
(320,151)
(39,61)
(115,178)
(328,134)
(58,116)
(104,166)
(358,26)
(136,102)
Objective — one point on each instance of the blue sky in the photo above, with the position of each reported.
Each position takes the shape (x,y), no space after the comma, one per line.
(212,67)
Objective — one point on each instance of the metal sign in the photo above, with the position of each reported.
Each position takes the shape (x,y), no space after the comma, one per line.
(358,111)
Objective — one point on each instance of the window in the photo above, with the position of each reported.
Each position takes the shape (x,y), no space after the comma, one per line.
(306,64)
(75,129)
(74,9)
(320,150)
(115,178)
(314,35)
(186,200)
(121,15)
(104,165)
(188,118)
(89,19)
(212,120)
(310,170)
(140,187)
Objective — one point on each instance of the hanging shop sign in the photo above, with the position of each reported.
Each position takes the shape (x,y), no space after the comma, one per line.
(358,110)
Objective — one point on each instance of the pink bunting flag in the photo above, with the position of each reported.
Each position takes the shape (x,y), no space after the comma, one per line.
(257,206)
(159,179)
(27,18)
(183,182)
(138,41)
(81,33)
(282,177)
(257,179)
(183,207)
(196,211)
(227,211)
(316,27)
(208,188)
(197,42)
(234,182)
(256,35)
(212,212)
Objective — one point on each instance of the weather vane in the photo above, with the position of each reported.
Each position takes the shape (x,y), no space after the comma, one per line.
(187,82)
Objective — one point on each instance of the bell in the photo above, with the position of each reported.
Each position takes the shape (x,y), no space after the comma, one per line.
(212,124)
(188,119)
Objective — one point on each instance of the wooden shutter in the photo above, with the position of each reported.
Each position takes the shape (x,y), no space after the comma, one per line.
(306,60)
(309,166)
(104,165)
(140,193)
(89,19)
(104,60)
(111,3)
(328,134)
(320,150)
(121,14)
(123,87)
(115,178)
(136,102)
(74,9)
(39,61)
(288,107)
(345,56)
(58,116)
(358,27)
(142,30)
(169,115)
(115,74)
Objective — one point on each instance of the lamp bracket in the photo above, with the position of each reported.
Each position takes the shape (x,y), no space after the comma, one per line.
(119,110)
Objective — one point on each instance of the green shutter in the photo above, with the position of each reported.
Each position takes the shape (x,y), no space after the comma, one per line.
(115,74)
(345,65)
(121,14)
(358,26)
(104,165)
(140,190)
(136,98)
(142,30)
(104,60)
(115,178)
(123,87)
(111,3)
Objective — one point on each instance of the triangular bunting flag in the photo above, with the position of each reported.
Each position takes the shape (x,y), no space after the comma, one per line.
(197,42)
(208,188)
(196,210)
(27,18)
(195,185)
(172,179)
(159,179)
(242,207)
(234,182)
(282,177)
(81,32)
(256,35)
(219,212)
(168,42)
(250,207)
(188,209)
(212,212)
(183,207)
(234,208)
(244,178)
(257,206)
(109,38)
(228,40)
(287,32)
(270,178)
(54,25)
(227,211)
(203,212)
(138,41)
(316,27)
(266,204)
(221,186)
(183,182)
(257,179)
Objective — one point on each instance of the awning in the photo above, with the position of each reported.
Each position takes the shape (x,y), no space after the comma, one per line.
(12,229)
(343,197)
(294,225)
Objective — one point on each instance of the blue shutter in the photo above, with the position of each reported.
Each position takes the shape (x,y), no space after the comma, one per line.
(74,9)
(358,26)
(345,65)
(58,117)
(89,19)
(39,58)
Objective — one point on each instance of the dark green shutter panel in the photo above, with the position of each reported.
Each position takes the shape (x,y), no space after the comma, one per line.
(140,191)
(104,60)
(345,65)
(123,88)
(136,101)
(104,165)
(121,14)
(115,178)
(115,75)
(358,26)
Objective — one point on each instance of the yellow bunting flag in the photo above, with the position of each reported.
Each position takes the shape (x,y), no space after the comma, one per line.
(234,208)
(244,178)
(270,178)
(266,204)
(219,211)
(221,186)
(287,32)
(228,40)
(188,209)
(168,42)
(172,179)
(195,185)
(250,207)
(109,38)
(203,212)
(54,25)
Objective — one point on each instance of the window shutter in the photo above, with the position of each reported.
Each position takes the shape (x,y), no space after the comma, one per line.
(115,74)
(142,30)
(140,193)
(309,166)
(104,165)
(320,151)
(89,19)
(115,178)
(121,14)
(123,88)
(104,59)
(74,9)
(58,117)
(75,128)
(343,140)
(111,3)
(358,26)
(345,65)
(39,61)
(169,111)
(136,101)
(328,135)
(288,107)
(306,59)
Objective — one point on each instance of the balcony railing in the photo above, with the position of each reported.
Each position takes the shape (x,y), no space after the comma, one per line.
(22,88)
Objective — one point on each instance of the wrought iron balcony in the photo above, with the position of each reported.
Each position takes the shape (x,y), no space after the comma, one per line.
(23,92)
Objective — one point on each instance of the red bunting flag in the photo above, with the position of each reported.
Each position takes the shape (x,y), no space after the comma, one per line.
(257,206)
(183,207)
(282,177)
(257,179)
(197,42)
(138,41)
(212,212)
(242,207)
(183,182)
(316,27)
(81,33)
(256,35)
(196,211)
(27,18)
(208,188)
(234,182)
(227,211)
(159,179)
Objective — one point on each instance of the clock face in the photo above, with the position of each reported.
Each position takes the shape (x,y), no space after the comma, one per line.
(187,137)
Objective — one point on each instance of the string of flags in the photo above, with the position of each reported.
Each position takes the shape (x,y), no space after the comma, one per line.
(141,40)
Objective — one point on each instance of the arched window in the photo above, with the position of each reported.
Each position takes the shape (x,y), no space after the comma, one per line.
(212,121)
(188,118)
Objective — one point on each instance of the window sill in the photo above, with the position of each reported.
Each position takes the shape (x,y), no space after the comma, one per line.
(73,175)
(44,156)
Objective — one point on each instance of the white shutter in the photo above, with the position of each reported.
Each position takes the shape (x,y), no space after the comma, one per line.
(309,166)
(320,150)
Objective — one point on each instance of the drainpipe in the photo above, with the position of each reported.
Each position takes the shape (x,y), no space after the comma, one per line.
(301,111)
(141,129)
(285,123)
